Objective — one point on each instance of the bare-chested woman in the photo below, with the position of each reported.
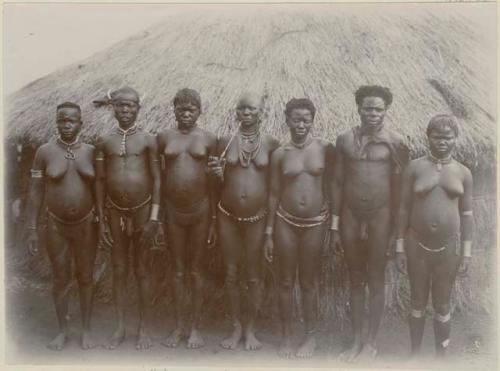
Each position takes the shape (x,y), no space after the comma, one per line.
(128,186)
(300,176)
(434,216)
(63,173)
(189,206)
(241,212)
(369,162)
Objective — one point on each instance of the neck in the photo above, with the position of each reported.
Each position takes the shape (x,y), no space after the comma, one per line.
(124,127)
(440,157)
(249,130)
(185,129)
(370,129)
(70,143)
(301,141)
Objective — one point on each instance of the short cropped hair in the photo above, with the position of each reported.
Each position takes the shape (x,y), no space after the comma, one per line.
(69,105)
(295,103)
(441,121)
(373,91)
(124,90)
(187,95)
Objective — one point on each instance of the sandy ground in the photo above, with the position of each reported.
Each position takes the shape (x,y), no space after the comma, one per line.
(31,324)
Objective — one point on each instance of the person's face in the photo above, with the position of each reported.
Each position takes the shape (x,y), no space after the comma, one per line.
(442,141)
(372,112)
(186,114)
(248,111)
(300,121)
(126,108)
(69,123)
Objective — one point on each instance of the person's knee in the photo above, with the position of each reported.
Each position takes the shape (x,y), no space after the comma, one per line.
(231,279)
(60,282)
(179,277)
(120,270)
(442,312)
(84,278)
(358,280)
(196,277)
(287,283)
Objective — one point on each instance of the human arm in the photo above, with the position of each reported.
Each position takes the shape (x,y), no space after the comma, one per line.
(466,222)
(100,193)
(336,190)
(273,202)
(35,199)
(212,195)
(403,220)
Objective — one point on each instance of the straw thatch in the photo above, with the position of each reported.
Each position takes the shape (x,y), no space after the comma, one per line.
(433,63)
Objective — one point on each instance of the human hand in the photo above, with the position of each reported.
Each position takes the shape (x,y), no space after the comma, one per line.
(32,242)
(401,263)
(148,232)
(268,248)
(336,242)
(105,238)
(216,166)
(464,266)
(212,235)
(390,252)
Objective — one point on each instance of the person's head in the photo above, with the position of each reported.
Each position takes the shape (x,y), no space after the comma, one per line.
(187,107)
(249,109)
(299,116)
(373,101)
(442,132)
(126,105)
(68,120)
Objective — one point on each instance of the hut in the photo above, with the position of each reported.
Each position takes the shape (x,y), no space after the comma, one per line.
(434,62)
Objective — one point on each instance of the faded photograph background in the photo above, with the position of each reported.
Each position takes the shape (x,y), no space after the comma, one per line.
(434,57)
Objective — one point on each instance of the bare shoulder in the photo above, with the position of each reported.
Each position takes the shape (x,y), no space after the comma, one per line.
(278,153)
(44,149)
(101,141)
(396,138)
(325,143)
(464,170)
(90,148)
(271,141)
(211,137)
(342,138)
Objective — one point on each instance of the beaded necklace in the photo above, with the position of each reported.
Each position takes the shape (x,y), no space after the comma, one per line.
(125,133)
(248,146)
(440,161)
(69,155)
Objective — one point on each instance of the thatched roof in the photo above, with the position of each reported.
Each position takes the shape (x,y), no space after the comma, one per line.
(433,63)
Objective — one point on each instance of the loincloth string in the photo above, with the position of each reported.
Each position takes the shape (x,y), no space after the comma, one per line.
(250,219)
(303,222)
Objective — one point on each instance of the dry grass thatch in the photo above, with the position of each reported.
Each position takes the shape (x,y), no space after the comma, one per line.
(433,63)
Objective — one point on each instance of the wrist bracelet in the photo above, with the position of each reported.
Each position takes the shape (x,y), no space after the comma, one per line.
(32,227)
(400,245)
(268,231)
(155,208)
(467,249)
(335,223)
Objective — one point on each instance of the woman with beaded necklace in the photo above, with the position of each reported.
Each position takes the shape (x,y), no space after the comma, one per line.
(189,207)
(63,172)
(301,171)
(435,215)
(243,172)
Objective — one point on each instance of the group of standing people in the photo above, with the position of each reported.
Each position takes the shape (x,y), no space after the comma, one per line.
(255,199)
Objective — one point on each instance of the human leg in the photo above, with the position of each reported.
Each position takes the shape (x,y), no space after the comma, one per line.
(419,276)
(60,259)
(379,228)
(311,244)
(356,259)
(119,258)
(197,242)
(286,242)
(254,235)
(444,271)
(230,242)
(84,241)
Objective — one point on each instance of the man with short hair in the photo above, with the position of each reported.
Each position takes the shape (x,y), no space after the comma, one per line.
(128,186)
(365,194)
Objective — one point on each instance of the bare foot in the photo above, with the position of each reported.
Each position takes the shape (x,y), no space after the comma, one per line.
(87,341)
(351,354)
(285,350)
(306,350)
(369,351)
(195,340)
(174,339)
(251,342)
(143,341)
(232,341)
(58,342)
(116,339)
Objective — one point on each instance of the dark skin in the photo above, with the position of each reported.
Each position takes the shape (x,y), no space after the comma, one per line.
(128,180)
(432,203)
(67,186)
(300,180)
(243,192)
(186,183)
(370,184)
